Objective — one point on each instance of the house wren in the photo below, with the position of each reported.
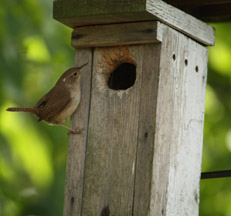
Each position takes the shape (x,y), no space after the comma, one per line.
(60,102)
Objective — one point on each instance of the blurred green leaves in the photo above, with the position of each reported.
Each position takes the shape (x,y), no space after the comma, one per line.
(213,106)
(28,147)
(35,51)
(215,194)
(220,58)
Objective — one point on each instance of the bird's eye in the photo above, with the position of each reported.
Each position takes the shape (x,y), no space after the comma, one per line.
(75,74)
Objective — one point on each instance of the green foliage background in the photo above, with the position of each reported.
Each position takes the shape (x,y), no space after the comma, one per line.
(216,193)
(35,50)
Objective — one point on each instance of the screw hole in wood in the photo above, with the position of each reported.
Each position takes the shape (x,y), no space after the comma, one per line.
(105,211)
(203,78)
(197,69)
(146,135)
(186,62)
(72,201)
(174,56)
(122,77)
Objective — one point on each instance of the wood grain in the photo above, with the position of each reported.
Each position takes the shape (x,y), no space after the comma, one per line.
(182,22)
(112,137)
(179,126)
(116,34)
(77,143)
(147,115)
(140,153)
(107,12)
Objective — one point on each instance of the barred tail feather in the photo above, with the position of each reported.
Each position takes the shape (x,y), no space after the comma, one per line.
(32,110)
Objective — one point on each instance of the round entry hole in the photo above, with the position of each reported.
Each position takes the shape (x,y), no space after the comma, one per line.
(123,77)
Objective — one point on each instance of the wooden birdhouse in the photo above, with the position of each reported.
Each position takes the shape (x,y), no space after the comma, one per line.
(142,107)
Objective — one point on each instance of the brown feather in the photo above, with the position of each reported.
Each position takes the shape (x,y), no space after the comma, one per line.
(23,109)
(52,103)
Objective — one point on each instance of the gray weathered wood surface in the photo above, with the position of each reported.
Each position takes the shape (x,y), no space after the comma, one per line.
(140,153)
(117,34)
(107,12)
(112,137)
(179,126)
(181,21)
(77,143)
(146,134)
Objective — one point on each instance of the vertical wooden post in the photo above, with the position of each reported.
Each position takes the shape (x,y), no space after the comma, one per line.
(140,153)
(77,144)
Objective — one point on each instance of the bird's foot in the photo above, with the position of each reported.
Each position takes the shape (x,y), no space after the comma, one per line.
(76,131)
(71,131)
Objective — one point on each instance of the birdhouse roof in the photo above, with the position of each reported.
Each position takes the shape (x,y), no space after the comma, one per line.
(75,13)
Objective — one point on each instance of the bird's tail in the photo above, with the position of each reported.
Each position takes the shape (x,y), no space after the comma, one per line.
(32,110)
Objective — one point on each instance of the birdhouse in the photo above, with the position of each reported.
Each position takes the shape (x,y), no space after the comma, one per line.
(142,108)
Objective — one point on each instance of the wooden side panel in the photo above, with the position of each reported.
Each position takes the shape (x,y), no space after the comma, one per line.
(112,137)
(77,143)
(145,147)
(179,126)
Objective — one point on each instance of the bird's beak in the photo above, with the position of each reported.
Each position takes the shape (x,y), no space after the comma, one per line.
(80,68)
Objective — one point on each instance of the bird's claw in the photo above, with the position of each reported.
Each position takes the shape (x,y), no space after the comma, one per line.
(76,131)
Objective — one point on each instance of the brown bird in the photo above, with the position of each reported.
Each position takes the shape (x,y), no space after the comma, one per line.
(60,102)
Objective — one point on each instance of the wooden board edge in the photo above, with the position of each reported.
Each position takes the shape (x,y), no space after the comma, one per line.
(181,21)
(117,34)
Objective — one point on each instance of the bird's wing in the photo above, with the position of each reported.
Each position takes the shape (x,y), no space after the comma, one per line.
(53,103)
(42,101)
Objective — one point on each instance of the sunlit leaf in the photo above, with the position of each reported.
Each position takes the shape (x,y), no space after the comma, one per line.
(212,106)
(228,139)
(29,148)
(220,58)
(36,49)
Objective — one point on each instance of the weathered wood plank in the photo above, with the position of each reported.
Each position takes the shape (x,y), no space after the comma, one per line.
(71,8)
(182,22)
(141,151)
(117,34)
(112,137)
(179,126)
(145,147)
(77,143)
(185,166)
(106,12)
(91,12)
